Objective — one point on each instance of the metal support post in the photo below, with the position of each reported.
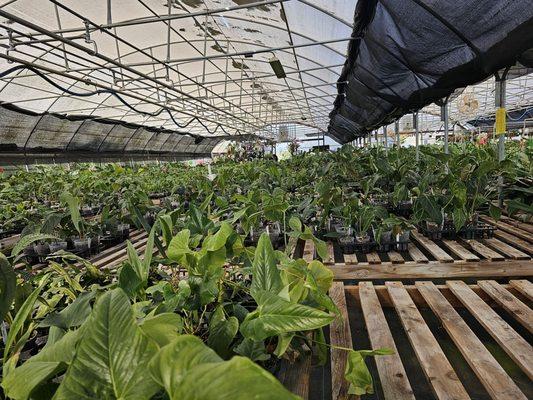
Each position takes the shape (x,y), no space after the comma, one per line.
(397,132)
(501,127)
(385,138)
(445,118)
(415,125)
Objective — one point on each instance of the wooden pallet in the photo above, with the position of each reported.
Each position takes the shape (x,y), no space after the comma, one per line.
(447,351)
(507,254)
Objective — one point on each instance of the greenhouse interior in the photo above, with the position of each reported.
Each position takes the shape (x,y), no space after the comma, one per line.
(266,199)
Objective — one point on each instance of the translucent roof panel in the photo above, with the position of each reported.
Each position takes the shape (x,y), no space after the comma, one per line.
(201,67)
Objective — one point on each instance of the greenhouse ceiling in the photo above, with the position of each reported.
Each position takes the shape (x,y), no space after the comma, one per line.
(205,68)
(179,76)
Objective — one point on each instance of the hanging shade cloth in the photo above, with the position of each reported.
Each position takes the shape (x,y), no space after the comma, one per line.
(415,52)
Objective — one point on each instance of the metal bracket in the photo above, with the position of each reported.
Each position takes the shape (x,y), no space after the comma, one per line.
(88,39)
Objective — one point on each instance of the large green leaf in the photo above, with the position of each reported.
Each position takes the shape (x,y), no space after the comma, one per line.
(219,239)
(179,245)
(221,332)
(357,372)
(23,313)
(237,379)
(73,315)
(8,284)
(51,360)
(265,273)
(112,358)
(275,316)
(73,204)
(162,328)
(25,241)
(174,360)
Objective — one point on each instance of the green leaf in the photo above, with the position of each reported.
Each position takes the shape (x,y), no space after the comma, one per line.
(237,379)
(129,281)
(221,334)
(357,372)
(219,239)
(51,360)
(323,276)
(148,254)
(284,342)
(459,218)
(73,204)
(8,284)
(254,350)
(265,273)
(275,316)
(321,248)
(173,361)
(495,212)
(23,313)
(73,315)
(112,359)
(295,224)
(25,241)
(162,328)
(179,245)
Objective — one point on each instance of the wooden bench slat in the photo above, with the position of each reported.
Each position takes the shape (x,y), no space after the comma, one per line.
(522,225)
(512,240)
(506,249)
(416,254)
(460,251)
(493,377)
(439,372)
(483,269)
(429,245)
(509,340)
(330,259)
(350,259)
(391,372)
(341,336)
(395,257)
(523,286)
(373,258)
(510,303)
(513,230)
(309,251)
(485,251)
(296,377)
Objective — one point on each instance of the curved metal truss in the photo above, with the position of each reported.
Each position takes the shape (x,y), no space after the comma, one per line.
(196,66)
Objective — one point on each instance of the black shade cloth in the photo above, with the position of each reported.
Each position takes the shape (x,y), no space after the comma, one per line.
(27,132)
(415,52)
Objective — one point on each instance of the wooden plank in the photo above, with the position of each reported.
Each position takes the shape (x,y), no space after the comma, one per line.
(385,300)
(330,259)
(485,251)
(296,376)
(514,241)
(416,254)
(429,245)
(507,250)
(391,372)
(514,345)
(340,335)
(440,374)
(373,258)
(482,269)
(524,287)
(350,258)
(395,257)
(493,377)
(519,224)
(519,233)
(309,251)
(510,303)
(460,251)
